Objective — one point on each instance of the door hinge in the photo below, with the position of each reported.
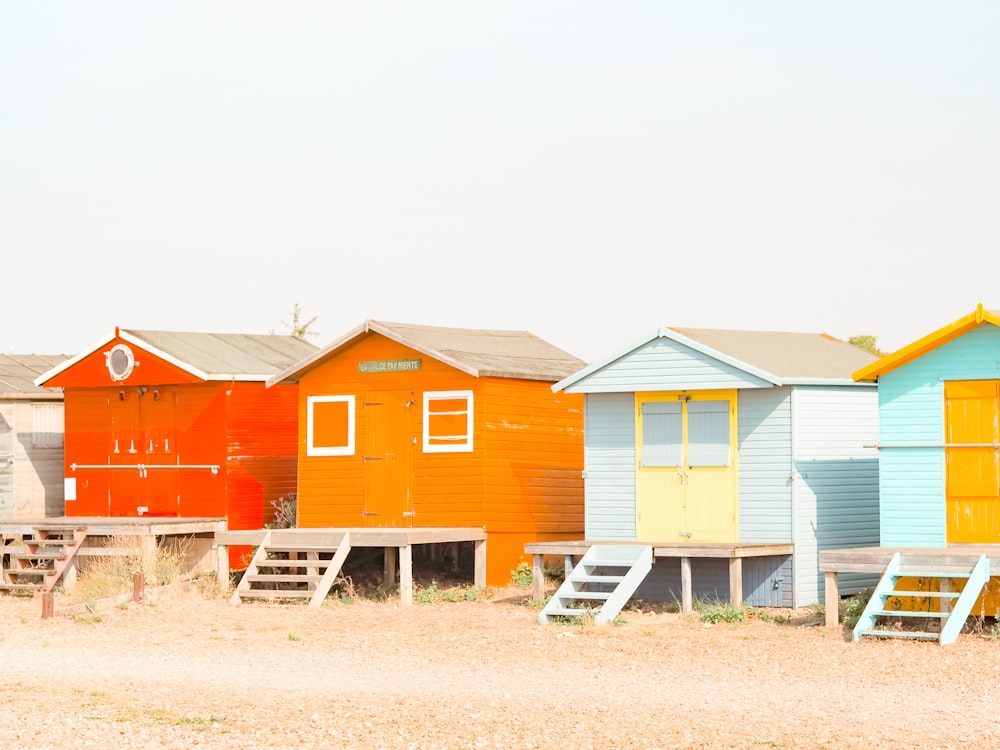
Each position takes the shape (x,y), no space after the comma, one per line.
(371,458)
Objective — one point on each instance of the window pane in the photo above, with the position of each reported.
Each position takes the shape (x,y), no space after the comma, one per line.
(708,433)
(661,433)
(330,426)
(448,421)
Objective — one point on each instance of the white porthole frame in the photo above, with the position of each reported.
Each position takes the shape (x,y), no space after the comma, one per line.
(109,361)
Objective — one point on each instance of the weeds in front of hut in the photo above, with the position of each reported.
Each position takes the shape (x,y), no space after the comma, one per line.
(113,574)
(714,613)
(522,577)
(432,594)
(852,608)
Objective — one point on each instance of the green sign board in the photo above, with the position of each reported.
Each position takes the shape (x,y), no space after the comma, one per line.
(388,365)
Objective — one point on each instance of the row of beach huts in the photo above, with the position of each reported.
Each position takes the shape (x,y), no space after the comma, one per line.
(775,469)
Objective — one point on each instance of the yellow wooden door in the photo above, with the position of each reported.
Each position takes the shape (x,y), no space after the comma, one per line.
(388,458)
(972,461)
(686,469)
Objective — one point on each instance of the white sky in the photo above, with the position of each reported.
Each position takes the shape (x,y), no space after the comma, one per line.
(584,170)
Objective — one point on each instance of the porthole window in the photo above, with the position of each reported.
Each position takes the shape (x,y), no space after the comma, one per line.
(120,361)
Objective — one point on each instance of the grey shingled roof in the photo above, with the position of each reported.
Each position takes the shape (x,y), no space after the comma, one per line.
(18,372)
(790,356)
(478,352)
(222,355)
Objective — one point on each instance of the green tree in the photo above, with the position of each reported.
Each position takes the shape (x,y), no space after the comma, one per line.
(300,328)
(867,343)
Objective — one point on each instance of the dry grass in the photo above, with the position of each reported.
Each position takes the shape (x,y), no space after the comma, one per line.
(111,575)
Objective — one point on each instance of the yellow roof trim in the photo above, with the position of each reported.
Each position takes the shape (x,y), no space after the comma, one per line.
(928,343)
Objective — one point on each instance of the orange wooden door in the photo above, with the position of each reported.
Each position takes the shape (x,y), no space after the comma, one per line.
(387,453)
(126,442)
(159,442)
(142,441)
(972,461)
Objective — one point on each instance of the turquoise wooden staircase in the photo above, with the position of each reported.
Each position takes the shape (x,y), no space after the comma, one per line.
(601,583)
(955,606)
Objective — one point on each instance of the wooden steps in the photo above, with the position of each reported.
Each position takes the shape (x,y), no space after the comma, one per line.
(37,561)
(278,571)
(606,576)
(953,607)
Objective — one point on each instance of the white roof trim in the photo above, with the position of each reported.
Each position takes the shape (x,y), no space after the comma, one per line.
(666,333)
(65,365)
(369,326)
(136,341)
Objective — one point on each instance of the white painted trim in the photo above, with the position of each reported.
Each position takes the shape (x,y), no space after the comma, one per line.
(459,447)
(346,450)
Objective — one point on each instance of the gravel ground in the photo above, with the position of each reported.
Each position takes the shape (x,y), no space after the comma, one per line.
(189,670)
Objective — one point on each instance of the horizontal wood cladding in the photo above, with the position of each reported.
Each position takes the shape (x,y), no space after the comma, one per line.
(262,446)
(524,473)
(533,457)
(92,371)
(248,431)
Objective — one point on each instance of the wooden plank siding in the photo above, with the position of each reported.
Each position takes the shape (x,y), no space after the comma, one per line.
(521,482)
(163,415)
(31,476)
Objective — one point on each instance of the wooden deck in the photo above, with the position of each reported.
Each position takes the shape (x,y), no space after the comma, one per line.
(874,560)
(100,529)
(392,539)
(571,551)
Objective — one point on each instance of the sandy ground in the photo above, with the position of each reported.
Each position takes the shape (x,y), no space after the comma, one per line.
(189,669)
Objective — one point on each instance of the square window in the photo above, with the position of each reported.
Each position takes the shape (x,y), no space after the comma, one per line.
(448,422)
(47,428)
(330,426)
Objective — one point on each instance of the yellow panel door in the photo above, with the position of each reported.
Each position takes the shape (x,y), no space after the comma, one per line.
(388,458)
(686,475)
(972,474)
(710,468)
(660,487)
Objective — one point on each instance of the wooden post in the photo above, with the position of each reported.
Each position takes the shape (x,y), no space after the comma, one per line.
(389,567)
(48,605)
(138,587)
(832,601)
(686,585)
(406,575)
(537,577)
(222,566)
(480,564)
(69,575)
(736,581)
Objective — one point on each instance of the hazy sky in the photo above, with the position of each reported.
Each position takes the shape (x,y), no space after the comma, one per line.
(587,171)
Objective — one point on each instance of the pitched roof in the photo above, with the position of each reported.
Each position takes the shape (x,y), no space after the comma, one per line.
(783,358)
(18,373)
(478,352)
(209,356)
(928,343)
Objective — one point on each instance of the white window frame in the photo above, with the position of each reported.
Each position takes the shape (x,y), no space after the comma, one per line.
(462,444)
(323,450)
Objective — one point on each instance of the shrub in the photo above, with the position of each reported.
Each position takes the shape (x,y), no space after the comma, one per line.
(521,576)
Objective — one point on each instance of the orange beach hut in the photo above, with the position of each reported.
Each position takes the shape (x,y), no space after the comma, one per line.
(174,424)
(418,426)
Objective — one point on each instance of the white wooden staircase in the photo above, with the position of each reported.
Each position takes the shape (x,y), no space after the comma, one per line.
(292,571)
(601,583)
(891,603)
(36,562)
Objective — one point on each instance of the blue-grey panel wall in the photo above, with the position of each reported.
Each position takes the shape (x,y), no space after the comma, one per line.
(836,481)
(665,365)
(765,465)
(911,431)
(609,463)
(764,581)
